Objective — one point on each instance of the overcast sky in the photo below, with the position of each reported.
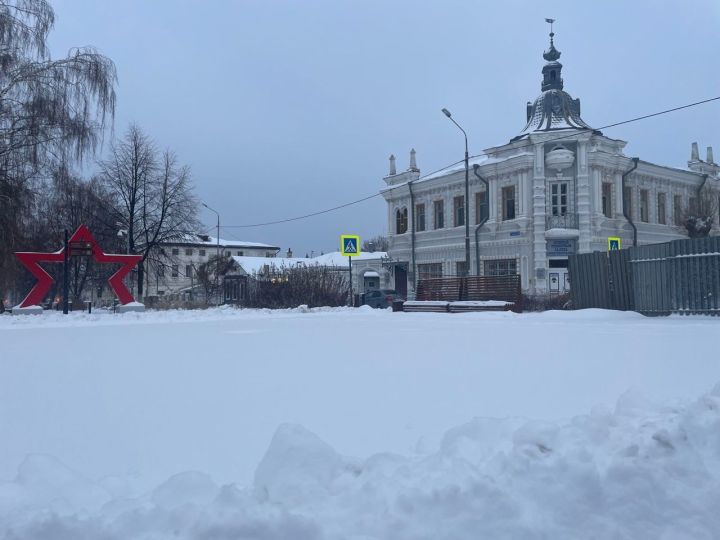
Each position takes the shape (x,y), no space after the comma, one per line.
(282,108)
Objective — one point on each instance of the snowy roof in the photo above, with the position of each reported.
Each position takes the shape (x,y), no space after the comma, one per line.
(479,160)
(205,240)
(255,265)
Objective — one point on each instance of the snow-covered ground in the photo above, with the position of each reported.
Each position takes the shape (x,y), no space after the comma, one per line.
(359,424)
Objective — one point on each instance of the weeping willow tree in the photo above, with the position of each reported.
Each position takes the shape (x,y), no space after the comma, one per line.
(51,111)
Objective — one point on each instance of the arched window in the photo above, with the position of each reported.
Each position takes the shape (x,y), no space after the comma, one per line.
(401,219)
(552,75)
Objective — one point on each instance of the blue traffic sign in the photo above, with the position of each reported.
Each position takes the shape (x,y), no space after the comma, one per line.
(350,245)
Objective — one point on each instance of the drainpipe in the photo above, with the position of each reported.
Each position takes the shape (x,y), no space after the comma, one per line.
(482,222)
(699,193)
(625,213)
(412,236)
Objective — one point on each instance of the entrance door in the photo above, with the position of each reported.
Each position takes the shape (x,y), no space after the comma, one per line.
(559,280)
(401,281)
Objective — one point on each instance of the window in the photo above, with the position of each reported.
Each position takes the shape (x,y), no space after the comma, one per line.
(175,270)
(677,209)
(188,270)
(161,271)
(438,214)
(401,221)
(460,269)
(420,217)
(459,211)
(661,208)
(693,206)
(481,207)
(429,271)
(607,199)
(644,195)
(176,251)
(508,199)
(240,253)
(202,252)
(627,200)
(558,198)
(501,267)
(188,251)
(162,251)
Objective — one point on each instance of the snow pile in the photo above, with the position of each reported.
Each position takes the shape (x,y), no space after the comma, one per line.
(641,471)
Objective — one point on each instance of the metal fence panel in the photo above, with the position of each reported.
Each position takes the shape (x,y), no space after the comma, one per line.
(682,276)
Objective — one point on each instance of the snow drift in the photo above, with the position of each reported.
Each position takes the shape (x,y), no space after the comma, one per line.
(638,471)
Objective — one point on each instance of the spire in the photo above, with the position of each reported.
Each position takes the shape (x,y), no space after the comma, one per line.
(552,54)
(553,109)
(694,152)
(413,162)
(551,70)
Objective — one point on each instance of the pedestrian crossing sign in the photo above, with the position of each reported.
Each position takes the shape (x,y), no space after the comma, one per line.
(350,245)
(613,243)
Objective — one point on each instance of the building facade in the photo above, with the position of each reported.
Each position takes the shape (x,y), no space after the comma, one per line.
(559,187)
(174,269)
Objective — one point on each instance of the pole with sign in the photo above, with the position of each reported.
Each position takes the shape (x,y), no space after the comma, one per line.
(350,247)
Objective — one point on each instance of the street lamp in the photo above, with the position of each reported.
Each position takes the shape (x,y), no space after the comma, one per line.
(467,195)
(217,263)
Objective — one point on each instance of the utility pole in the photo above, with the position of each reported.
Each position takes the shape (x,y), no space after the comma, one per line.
(217,263)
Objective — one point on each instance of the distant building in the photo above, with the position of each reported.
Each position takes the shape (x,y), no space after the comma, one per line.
(177,263)
(369,271)
(559,187)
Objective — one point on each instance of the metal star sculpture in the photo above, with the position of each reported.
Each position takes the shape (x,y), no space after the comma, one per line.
(81,237)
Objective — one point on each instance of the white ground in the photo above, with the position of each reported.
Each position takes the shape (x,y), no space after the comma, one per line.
(559,425)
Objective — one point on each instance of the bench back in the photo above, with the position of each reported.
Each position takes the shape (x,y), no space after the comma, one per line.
(451,289)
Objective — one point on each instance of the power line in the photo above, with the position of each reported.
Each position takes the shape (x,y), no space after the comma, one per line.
(527,145)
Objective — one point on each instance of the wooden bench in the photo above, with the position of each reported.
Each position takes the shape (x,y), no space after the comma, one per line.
(472,293)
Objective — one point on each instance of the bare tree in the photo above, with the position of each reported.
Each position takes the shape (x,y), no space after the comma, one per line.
(210,275)
(700,213)
(378,243)
(51,111)
(151,195)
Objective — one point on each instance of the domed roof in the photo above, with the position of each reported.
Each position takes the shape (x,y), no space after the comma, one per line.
(554,109)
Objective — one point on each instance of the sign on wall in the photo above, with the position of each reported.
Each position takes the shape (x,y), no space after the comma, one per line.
(560,248)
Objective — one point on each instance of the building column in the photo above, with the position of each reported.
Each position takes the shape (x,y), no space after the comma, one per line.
(583,199)
(539,266)
(618,202)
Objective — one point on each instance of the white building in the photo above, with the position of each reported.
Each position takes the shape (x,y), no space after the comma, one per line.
(555,189)
(178,262)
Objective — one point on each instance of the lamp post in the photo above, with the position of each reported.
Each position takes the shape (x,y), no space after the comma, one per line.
(466,216)
(217,263)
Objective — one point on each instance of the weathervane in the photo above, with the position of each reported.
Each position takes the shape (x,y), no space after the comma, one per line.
(551,21)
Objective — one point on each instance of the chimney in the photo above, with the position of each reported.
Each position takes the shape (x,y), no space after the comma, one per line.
(413,163)
(393,170)
(289,253)
(710,155)
(695,153)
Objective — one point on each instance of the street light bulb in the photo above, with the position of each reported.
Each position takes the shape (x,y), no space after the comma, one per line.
(446,113)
